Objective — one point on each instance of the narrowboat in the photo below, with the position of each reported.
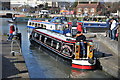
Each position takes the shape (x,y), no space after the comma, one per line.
(66,47)
(89,26)
(55,25)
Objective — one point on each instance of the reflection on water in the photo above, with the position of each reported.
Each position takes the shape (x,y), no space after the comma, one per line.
(41,65)
(4,26)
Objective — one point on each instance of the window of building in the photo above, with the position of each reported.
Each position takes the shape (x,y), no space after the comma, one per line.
(92,10)
(85,10)
(79,9)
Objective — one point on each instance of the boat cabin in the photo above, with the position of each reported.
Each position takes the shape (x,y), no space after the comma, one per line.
(56,27)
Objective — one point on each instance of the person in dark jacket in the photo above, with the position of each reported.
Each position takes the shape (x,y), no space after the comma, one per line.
(80,37)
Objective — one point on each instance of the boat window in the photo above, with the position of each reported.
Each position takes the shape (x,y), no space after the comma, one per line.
(35,24)
(37,36)
(38,25)
(42,25)
(42,38)
(56,45)
(48,41)
(45,39)
(29,23)
(33,34)
(51,27)
(32,24)
(59,46)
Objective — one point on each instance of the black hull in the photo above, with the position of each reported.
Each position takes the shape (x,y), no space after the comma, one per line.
(52,53)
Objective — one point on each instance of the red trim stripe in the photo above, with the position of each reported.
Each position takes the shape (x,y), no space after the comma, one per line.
(83,66)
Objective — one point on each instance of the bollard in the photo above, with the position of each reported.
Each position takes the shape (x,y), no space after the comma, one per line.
(19,38)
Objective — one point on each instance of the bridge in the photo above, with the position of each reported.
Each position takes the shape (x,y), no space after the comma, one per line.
(4,12)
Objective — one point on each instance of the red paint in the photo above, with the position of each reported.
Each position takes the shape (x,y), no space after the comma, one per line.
(11,29)
(83,66)
(79,28)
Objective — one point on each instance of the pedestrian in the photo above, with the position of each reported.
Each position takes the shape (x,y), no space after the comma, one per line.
(113,29)
(81,38)
(11,32)
(117,31)
(108,24)
(79,27)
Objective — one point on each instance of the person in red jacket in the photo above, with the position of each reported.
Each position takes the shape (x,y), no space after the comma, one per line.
(12,29)
(79,27)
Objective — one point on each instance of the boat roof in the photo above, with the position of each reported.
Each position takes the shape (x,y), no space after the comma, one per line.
(55,35)
(45,22)
(94,22)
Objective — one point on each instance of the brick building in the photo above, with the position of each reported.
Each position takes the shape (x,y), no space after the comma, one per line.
(90,8)
(5,5)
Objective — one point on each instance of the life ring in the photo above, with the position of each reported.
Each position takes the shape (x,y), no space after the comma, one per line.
(66,50)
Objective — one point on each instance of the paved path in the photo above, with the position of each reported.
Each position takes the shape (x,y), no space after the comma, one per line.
(12,66)
(109,60)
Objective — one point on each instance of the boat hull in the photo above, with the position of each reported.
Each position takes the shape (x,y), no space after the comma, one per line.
(83,64)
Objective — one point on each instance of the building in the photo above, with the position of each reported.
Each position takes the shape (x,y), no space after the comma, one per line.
(90,8)
(5,5)
(32,3)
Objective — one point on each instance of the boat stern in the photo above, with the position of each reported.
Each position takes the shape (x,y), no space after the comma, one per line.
(84,64)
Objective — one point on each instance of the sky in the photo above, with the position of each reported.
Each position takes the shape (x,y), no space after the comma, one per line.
(70,0)
(88,0)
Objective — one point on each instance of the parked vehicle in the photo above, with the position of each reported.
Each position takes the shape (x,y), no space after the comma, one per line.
(44,12)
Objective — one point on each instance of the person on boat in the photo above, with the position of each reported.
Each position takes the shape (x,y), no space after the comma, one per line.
(80,37)
(11,32)
(79,27)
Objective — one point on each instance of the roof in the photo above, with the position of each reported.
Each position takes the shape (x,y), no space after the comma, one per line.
(87,6)
(55,35)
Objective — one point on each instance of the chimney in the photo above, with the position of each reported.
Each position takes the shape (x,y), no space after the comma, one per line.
(89,2)
(78,2)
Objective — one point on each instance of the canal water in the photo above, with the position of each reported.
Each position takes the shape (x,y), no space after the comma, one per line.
(41,65)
